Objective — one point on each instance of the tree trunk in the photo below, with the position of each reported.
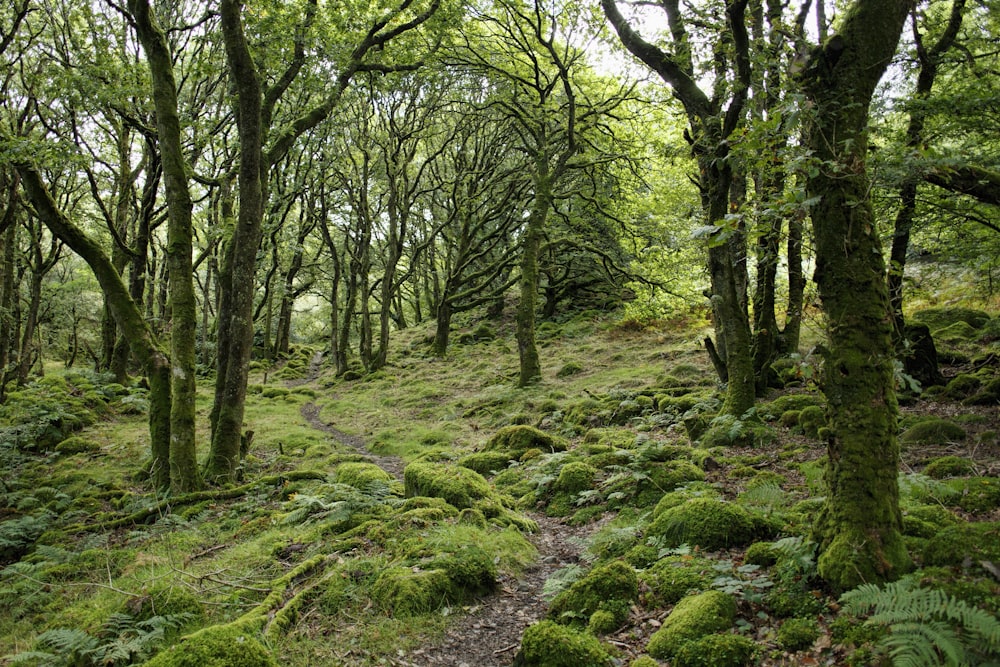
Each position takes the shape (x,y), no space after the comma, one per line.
(442,328)
(530,366)
(184,474)
(234,358)
(859,530)
(791,334)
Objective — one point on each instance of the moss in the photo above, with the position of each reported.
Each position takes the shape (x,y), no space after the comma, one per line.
(518,439)
(957,333)
(486,463)
(644,661)
(472,517)
(811,420)
(927,520)
(673,578)
(656,479)
(933,431)
(275,392)
(216,646)
(460,487)
(972,541)
(612,437)
(949,466)
(572,368)
(961,386)
(762,553)
(548,644)
(978,494)
(410,591)
(983,592)
(611,587)
(704,522)
(164,599)
(939,318)
(471,571)
(684,494)
(417,502)
(777,407)
(790,418)
(574,477)
(361,475)
(693,618)
(602,622)
(766,478)
(798,634)
(988,394)
(77,445)
(716,650)
(729,431)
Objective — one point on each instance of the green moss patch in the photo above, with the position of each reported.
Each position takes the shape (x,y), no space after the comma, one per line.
(939,318)
(361,475)
(977,495)
(611,587)
(673,578)
(78,445)
(949,466)
(548,644)
(693,618)
(516,440)
(798,634)
(716,650)
(486,463)
(782,404)
(933,431)
(973,541)
(216,646)
(460,487)
(707,523)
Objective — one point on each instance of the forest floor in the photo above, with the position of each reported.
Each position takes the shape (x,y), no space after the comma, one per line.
(85,547)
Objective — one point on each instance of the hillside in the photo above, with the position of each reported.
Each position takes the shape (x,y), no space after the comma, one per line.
(428,513)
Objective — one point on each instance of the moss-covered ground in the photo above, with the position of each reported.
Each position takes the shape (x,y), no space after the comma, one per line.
(320,558)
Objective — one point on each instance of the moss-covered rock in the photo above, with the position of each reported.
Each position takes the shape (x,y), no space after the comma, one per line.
(761,553)
(517,439)
(729,431)
(716,650)
(77,445)
(949,466)
(360,475)
(684,494)
(811,420)
(164,599)
(486,463)
(962,386)
(774,409)
(972,541)
(656,479)
(602,622)
(460,487)
(939,318)
(956,334)
(933,431)
(977,495)
(644,661)
(926,521)
(798,634)
(574,477)
(672,578)
(693,618)
(571,368)
(410,591)
(548,644)
(610,587)
(216,646)
(988,394)
(704,522)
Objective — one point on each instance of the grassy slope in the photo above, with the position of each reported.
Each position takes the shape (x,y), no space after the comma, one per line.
(230,552)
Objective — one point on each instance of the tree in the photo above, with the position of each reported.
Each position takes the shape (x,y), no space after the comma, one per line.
(712,119)
(859,529)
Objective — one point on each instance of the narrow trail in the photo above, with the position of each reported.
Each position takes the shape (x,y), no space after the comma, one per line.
(488,633)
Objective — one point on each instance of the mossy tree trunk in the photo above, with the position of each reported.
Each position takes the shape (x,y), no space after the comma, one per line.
(184,475)
(711,125)
(153,359)
(530,365)
(859,530)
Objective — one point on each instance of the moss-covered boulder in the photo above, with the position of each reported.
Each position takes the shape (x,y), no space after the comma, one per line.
(672,578)
(811,420)
(716,650)
(460,487)
(926,521)
(987,394)
(762,553)
(574,477)
(704,522)
(962,386)
(486,463)
(684,494)
(361,475)
(933,431)
(516,440)
(949,466)
(548,644)
(655,479)
(694,617)
(956,334)
(77,445)
(611,587)
(798,634)
(939,318)
(729,431)
(411,591)
(216,646)
(774,409)
(977,495)
(974,542)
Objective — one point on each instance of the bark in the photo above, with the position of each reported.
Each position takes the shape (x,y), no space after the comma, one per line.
(859,530)
(791,334)
(154,361)
(530,367)
(184,475)
(237,284)
(978,182)
(929,60)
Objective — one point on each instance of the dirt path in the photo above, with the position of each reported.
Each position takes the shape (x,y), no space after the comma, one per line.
(489,633)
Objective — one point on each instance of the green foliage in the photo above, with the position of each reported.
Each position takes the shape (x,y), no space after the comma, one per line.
(672,578)
(338,504)
(17,536)
(927,627)
(977,495)
(122,640)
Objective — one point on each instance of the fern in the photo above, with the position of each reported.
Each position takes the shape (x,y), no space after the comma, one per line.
(927,627)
